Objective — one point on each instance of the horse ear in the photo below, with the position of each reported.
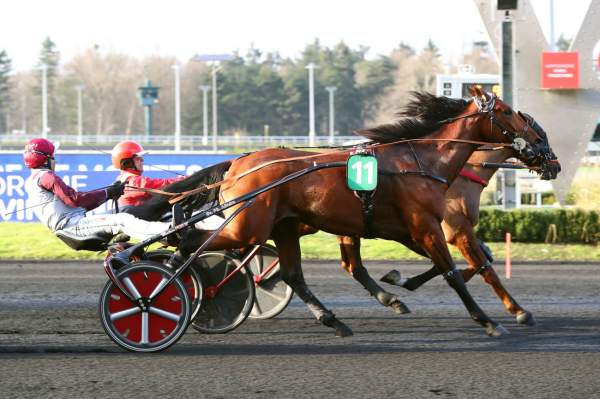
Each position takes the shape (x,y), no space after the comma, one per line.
(474,90)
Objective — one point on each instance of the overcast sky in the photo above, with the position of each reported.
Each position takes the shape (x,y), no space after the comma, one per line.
(182,28)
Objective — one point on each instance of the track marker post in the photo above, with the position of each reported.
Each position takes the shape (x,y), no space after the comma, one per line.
(508,260)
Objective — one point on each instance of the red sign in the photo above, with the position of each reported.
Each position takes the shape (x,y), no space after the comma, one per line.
(560,70)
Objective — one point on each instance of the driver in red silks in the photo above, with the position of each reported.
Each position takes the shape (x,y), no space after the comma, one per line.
(127,157)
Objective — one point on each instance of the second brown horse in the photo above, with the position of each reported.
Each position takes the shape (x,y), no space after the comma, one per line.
(461,217)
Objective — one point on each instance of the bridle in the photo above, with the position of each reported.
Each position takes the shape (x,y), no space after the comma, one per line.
(518,141)
(548,162)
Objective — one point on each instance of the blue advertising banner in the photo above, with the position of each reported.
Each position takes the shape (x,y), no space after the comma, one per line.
(86,172)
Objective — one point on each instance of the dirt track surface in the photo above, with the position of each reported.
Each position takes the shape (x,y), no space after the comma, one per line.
(52,343)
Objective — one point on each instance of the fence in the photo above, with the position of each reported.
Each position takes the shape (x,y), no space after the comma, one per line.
(187,142)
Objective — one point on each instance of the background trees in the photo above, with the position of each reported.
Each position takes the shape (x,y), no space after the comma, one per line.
(255,89)
(5,69)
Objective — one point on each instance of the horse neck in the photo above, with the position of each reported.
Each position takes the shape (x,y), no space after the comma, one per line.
(488,156)
(450,156)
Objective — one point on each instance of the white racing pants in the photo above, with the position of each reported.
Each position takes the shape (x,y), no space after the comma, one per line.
(113,224)
(210,223)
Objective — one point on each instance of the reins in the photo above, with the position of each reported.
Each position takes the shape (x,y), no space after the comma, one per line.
(176,197)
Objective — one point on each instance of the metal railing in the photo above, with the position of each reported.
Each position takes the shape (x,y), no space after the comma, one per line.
(187,142)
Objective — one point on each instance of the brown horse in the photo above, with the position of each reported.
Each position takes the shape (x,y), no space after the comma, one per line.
(409,202)
(461,217)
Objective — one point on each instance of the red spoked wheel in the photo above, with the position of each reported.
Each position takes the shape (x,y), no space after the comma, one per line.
(150,323)
(190,278)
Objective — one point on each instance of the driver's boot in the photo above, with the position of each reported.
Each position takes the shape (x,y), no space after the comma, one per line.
(178,218)
(176,260)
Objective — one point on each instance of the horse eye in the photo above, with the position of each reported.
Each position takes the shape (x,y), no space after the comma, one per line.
(507,111)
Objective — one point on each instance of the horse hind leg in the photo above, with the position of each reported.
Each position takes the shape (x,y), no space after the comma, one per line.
(394,277)
(288,245)
(352,263)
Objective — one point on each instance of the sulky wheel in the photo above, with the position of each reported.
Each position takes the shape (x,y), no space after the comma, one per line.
(225,305)
(272,294)
(162,321)
(190,277)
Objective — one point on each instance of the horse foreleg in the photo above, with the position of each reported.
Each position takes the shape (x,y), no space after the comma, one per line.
(428,233)
(288,245)
(352,263)
(479,258)
(523,316)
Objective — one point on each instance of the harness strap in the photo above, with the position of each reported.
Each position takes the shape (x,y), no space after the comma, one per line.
(367,206)
(206,187)
(473,177)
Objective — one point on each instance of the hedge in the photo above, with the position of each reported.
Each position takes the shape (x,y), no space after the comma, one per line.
(547,225)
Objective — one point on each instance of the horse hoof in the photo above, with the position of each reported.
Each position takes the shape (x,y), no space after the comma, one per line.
(496,331)
(342,330)
(393,277)
(399,307)
(526,318)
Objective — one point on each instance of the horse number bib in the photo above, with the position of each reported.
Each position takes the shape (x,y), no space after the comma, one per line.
(361,172)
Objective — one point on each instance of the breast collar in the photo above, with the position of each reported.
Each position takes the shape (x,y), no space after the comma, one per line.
(473,177)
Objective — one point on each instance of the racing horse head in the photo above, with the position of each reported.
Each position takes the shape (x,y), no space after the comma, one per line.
(528,140)
(549,167)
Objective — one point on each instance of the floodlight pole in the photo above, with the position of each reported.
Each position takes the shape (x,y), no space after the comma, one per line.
(44,68)
(215,59)
(331,90)
(215,68)
(311,103)
(177,68)
(205,90)
(79,89)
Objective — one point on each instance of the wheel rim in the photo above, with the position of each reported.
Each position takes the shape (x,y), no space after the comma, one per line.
(233,301)
(163,321)
(272,294)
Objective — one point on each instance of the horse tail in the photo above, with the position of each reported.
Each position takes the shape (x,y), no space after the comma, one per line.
(157,205)
(211,175)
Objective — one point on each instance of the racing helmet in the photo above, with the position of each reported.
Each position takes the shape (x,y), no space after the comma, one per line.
(38,152)
(125,150)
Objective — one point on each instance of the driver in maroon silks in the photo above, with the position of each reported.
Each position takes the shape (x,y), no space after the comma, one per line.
(61,208)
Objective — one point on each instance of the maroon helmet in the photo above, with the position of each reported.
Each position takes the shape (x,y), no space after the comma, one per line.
(37,152)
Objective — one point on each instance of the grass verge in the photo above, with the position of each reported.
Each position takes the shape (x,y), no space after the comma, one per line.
(24,241)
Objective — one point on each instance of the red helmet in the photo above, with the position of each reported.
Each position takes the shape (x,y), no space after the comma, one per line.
(37,152)
(125,150)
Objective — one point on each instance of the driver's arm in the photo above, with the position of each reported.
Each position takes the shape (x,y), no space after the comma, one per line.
(87,200)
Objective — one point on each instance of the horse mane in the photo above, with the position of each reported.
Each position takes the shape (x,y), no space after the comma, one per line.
(158,204)
(420,117)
